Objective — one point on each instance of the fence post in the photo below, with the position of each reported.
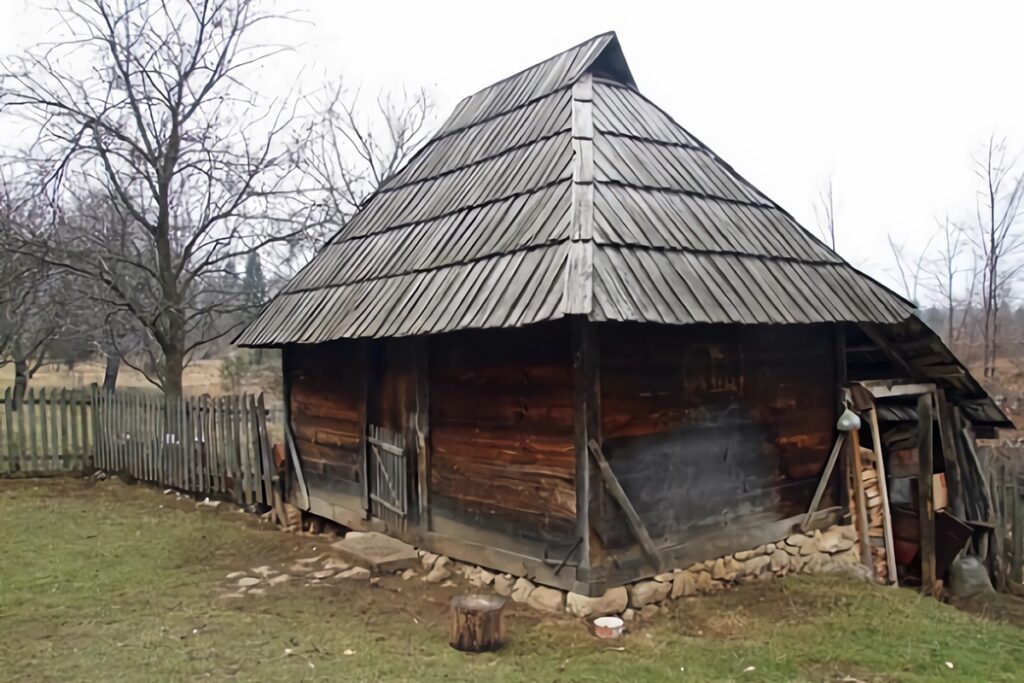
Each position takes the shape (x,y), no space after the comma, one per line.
(22,441)
(266,459)
(44,429)
(30,404)
(1017,574)
(12,461)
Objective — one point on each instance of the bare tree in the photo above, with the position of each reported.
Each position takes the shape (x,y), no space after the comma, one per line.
(825,210)
(145,104)
(354,150)
(945,271)
(995,236)
(910,268)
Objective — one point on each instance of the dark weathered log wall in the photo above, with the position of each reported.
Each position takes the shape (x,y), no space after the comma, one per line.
(711,428)
(501,421)
(326,386)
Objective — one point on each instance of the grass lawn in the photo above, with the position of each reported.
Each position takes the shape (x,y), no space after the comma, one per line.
(107,582)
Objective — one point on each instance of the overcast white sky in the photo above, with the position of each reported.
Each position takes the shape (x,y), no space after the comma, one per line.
(889,98)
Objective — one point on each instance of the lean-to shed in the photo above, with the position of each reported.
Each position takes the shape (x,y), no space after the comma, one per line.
(563,264)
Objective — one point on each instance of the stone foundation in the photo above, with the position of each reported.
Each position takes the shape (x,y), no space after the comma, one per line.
(834,551)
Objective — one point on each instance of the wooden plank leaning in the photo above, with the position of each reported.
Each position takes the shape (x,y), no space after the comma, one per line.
(632,518)
(926,501)
(823,482)
(861,519)
(883,489)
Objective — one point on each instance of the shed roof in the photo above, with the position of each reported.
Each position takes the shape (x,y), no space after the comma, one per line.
(562,190)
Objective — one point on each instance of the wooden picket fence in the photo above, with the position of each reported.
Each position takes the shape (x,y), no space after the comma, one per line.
(1006,552)
(51,431)
(206,446)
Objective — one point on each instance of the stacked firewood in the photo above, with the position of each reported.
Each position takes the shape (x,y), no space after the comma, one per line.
(873,496)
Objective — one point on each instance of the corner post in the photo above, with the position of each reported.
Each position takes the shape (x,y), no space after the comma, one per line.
(587,425)
(421,427)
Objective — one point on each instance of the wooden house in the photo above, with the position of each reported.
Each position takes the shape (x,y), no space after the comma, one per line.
(566,301)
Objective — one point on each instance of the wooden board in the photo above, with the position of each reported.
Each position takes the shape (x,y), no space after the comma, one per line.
(325,402)
(501,429)
(705,425)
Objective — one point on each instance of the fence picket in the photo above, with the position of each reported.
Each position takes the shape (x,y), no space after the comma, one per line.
(44,441)
(138,421)
(190,447)
(20,411)
(147,421)
(72,426)
(265,458)
(99,401)
(203,445)
(33,453)
(212,464)
(9,422)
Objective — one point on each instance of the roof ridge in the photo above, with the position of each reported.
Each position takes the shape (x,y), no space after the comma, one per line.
(592,39)
(578,293)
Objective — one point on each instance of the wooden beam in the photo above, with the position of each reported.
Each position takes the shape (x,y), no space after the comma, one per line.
(364,444)
(587,426)
(890,389)
(632,518)
(300,481)
(289,439)
(883,490)
(926,501)
(876,336)
(421,427)
(861,502)
(954,476)
(823,482)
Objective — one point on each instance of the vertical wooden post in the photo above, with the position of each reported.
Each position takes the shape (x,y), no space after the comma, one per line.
(44,431)
(364,461)
(70,405)
(1017,573)
(12,463)
(421,427)
(22,448)
(954,477)
(220,467)
(926,499)
(31,405)
(94,453)
(861,502)
(54,429)
(587,427)
(999,531)
(266,458)
(883,490)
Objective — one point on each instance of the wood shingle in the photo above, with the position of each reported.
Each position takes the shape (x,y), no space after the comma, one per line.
(535,201)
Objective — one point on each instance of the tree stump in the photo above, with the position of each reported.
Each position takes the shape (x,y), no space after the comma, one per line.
(478,623)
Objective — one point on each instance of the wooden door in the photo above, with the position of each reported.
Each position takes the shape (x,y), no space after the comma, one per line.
(390,453)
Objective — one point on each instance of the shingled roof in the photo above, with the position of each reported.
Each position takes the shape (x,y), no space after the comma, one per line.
(562,190)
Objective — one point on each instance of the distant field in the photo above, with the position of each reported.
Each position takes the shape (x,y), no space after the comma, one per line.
(202,377)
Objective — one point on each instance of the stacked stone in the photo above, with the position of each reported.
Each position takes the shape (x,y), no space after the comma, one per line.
(834,551)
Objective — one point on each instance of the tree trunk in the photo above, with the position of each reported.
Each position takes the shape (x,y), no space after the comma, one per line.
(21,377)
(110,372)
(478,623)
(174,368)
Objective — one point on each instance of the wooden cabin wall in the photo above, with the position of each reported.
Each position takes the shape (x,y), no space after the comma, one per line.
(325,389)
(713,430)
(501,431)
